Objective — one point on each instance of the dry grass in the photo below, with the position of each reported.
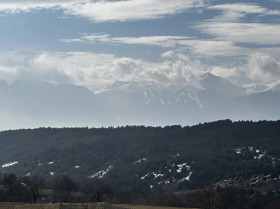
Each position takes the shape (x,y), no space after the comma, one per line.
(148,207)
(28,206)
(80,206)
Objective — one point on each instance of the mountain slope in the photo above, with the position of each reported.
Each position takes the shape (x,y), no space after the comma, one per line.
(45,104)
(154,103)
(144,156)
(25,104)
(259,106)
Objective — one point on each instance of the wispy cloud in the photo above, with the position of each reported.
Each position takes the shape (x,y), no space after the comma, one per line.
(17,6)
(161,41)
(254,33)
(95,70)
(105,10)
(233,12)
(196,46)
(232,26)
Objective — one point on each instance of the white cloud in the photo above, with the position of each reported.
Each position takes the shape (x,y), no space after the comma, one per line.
(161,41)
(95,70)
(127,10)
(263,67)
(214,48)
(233,12)
(253,33)
(104,10)
(260,68)
(16,6)
(202,47)
(31,66)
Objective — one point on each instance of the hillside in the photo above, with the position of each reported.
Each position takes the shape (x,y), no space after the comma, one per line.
(142,157)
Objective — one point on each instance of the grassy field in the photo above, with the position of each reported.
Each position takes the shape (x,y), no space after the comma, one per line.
(80,206)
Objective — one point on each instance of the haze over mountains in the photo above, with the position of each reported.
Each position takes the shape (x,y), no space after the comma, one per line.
(135,103)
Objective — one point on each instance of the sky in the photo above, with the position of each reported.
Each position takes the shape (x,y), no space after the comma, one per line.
(94,43)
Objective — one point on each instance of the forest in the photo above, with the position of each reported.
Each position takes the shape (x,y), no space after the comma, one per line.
(170,165)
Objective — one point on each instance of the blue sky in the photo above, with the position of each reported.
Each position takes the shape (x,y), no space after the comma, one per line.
(94,43)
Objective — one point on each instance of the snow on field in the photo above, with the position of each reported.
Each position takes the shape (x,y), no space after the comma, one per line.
(186,178)
(9,164)
(177,155)
(181,166)
(102,173)
(156,175)
(140,160)
(238,151)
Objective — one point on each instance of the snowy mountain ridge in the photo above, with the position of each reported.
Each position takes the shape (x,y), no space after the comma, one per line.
(207,91)
(26,104)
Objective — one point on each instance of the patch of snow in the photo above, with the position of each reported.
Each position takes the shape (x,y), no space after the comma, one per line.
(148,101)
(195,98)
(52,173)
(145,94)
(164,182)
(274,87)
(251,149)
(181,166)
(102,173)
(28,174)
(77,166)
(156,175)
(140,160)
(40,164)
(186,178)
(51,163)
(23,184)
(143,177)
(9,164)
(151,93)
(177,155)
(162,101)
(260,156)
(255,88)
(238,151)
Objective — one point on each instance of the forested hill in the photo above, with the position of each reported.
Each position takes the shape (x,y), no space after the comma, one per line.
(142,157)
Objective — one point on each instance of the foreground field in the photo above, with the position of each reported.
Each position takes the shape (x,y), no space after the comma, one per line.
(28,206)
(148,207)
(80,206)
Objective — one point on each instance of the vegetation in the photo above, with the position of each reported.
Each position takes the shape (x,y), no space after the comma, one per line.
(171,166)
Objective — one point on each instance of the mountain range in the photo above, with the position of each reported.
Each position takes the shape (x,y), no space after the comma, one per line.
(29,104)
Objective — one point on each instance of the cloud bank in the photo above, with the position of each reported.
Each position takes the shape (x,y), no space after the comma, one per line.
(95,71)
(104,10)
